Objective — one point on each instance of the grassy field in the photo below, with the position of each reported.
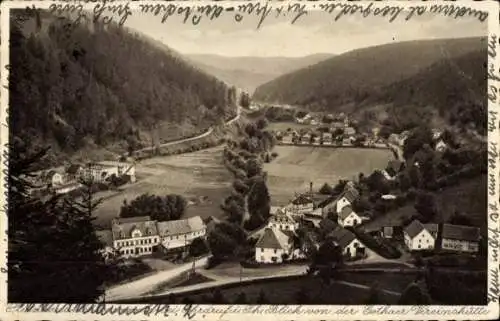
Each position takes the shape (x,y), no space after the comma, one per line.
(297,166)
(469,197)
(283,126)
(199,176)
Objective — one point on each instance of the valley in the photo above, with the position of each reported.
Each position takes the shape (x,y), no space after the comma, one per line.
(199,176)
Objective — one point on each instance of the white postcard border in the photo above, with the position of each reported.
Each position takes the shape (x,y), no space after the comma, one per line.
(99,311)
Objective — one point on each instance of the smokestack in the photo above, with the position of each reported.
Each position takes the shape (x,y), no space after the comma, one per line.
(311,188)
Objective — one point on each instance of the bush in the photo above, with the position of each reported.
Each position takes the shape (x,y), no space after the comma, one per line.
(381,246)
(212,262)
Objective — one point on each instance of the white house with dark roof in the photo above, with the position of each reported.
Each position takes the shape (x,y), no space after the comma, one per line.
(180,233)
(283,221)
(460,238)
(346,198)
(350,245)
(302,204)
(347,217)
(274,246)
(418,236)
(134,236)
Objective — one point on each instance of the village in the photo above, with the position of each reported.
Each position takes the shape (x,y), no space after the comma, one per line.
(322,217)
(293,231)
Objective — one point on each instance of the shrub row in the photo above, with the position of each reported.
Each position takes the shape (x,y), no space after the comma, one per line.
(381,246)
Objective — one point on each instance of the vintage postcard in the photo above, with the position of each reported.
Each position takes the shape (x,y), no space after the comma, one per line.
(220,160)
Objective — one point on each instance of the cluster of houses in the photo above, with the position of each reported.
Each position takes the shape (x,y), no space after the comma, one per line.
(437,136)
(278,242)
(448,237)
(138,236)
(65,180)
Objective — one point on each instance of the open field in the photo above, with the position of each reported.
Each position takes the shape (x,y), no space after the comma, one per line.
(285,291)
(283,126)
(469,197)
(199,176)
(297,166)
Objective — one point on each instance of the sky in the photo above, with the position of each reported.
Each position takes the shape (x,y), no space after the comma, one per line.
(317,32)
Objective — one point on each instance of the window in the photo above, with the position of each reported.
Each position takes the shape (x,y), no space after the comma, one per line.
(275,251)
(262,258)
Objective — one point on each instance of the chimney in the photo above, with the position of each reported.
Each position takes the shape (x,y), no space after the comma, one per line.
(311,188)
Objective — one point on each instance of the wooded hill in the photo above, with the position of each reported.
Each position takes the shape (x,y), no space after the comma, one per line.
(89,85)
(444,75)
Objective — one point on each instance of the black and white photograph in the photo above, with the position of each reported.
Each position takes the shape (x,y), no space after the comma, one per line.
(247,155)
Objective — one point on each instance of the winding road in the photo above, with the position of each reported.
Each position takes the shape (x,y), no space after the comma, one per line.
(184,140)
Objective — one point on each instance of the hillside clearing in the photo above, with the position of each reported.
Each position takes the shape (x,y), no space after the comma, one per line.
(199,176)
(297,166)
(469,197)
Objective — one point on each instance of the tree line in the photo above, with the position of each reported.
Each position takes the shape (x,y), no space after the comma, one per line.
(77,85)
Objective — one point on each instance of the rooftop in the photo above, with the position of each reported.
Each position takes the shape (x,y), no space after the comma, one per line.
(460,232)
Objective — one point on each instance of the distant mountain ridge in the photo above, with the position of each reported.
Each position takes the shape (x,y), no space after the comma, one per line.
(250,72)
(442,74)
(362,70)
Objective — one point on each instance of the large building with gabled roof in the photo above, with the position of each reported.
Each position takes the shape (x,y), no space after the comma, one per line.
(137,236)
(418,236)
(460,238)
(274,246)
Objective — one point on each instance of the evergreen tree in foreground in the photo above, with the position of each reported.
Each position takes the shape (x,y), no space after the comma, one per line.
(53,249)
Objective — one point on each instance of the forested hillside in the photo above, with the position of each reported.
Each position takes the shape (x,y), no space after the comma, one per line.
(454,89)
(75,87)
(446,75)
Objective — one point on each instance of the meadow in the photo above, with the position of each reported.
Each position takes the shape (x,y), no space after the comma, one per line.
(199,176)
(469,197)
(297,166)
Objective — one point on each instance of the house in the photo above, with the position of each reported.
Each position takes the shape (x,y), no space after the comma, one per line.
(134,236)
(418,237)
(306,139)
(460,238)
(52,178)
(337,125)
(348,196)
(99,172)
(274,246)
(441,146)
(283,221)
(179,234)
(347,217)
(301,204)
(387,232)
(349,131)
(393,139)
(106,238)
(314,122)
(350,245)
(403,136)
(327,138)
(287,138)
(436,134)
(122,168)
(74,171)
(316,140)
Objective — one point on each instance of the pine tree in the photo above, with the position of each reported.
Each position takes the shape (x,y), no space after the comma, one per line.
(53,249)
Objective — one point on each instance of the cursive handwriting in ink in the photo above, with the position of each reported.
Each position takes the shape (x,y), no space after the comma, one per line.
(123,11)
